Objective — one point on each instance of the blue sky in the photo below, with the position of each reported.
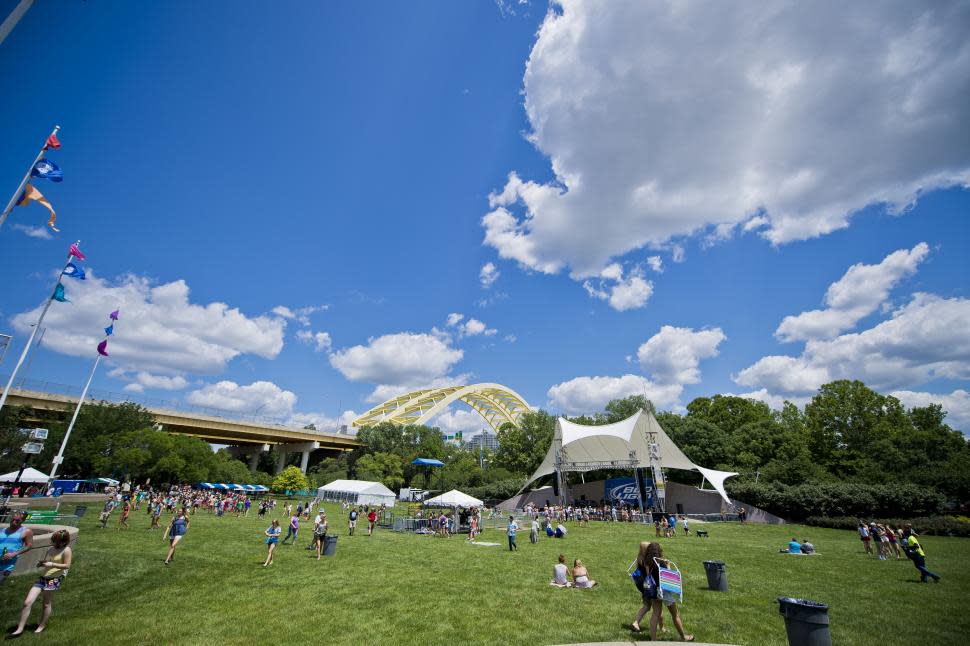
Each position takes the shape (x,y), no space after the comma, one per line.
(652,215)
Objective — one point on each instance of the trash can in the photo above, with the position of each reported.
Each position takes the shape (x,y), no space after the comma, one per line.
(80,510)
(329,545)
(716,575)
(807,622)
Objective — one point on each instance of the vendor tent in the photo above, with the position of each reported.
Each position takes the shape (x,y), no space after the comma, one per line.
(30,475)
(453,498)
(622,445)
(361,492)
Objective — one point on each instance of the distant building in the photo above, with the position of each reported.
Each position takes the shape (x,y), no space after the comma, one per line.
(485,439)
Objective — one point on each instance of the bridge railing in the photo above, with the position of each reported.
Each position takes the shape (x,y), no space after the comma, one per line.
(96,394)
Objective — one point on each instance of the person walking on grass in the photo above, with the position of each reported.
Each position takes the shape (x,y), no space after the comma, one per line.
(655,555)
(352,521)
(371,521)
(176,530)
(320,531)
(646,585)
(125,511)
(292,529)
(534,531)
(272,534)
(511,529)
(106,512)
(55,565)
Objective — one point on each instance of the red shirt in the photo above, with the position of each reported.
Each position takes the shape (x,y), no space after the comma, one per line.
(372,516)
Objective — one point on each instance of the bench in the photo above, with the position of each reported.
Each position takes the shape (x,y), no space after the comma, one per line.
(701,533)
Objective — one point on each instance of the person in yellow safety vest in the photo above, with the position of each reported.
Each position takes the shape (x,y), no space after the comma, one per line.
(915,552)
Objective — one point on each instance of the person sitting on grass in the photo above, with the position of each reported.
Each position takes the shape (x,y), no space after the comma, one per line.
(794,547)
(807,548)
(560,531)
(560,573)
(581,576)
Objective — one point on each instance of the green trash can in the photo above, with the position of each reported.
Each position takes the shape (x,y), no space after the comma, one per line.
(329,545)
(716,575)
(806,622)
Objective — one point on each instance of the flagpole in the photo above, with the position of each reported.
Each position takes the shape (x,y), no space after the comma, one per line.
(70,427)
(13,200)
(13,18)
(30,341)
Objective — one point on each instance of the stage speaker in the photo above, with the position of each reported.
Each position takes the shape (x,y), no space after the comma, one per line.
(555,485)
(642,486)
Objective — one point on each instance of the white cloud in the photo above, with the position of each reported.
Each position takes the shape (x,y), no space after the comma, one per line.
(462,419)
(673,354)
(956,404)
(860,292)
(775,402)
(663,120)
(624,294)
(656,263)
(43,233)
(385,392)
(398,359)
(471,327)
(320,340)
(488,275)
(159,330)
(591,394)
(926,339)
(134,388)
(324,422)
(161,382)
(300,315)
(258,398)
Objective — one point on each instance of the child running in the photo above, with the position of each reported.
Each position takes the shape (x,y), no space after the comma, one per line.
(272,534)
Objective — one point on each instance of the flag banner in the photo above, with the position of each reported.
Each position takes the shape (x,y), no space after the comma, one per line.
(108,331)
(103,348)
(74,271)
(114,315)
(46,169)
(31,194)
(52,142)
(59,294)
(74,251)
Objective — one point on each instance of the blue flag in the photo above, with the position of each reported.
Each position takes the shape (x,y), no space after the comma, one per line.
(46,169)
(74,271)
(59,294)
(108,331)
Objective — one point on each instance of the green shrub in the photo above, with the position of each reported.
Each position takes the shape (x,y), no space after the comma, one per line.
(797,502)
(933,525)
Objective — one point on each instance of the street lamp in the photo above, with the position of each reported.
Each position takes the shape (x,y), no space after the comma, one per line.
(35,445)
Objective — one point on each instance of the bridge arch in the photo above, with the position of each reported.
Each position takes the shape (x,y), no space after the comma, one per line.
(496,403)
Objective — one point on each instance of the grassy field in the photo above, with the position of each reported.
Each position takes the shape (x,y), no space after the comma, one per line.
(407,589)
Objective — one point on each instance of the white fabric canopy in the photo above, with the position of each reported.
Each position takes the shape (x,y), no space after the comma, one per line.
(453,498)
(625,444)
(362,492)
(30,475)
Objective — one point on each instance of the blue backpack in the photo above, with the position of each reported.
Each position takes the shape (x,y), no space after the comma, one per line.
(644,583)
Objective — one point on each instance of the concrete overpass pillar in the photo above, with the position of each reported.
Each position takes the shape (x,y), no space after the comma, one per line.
(296,447)
(254,461)
(304,461)
(281,462)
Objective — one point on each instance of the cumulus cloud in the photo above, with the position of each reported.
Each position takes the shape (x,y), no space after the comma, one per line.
(320,341)
(42,233)
(860,292)
(465,420)
(471,327)
(656,263)
(259,397)
(621,293)
(142,380)
(673,354)
(662,120)
(398,359)
(956,404)
(926,339)
(775,402)
(590,394)
(384,392)
(324,422)
(300,315)
(488,275)
(159,331)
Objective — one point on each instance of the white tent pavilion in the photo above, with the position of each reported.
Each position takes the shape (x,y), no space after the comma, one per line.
(361,492)
(622,445)
(30,475)
(453,498)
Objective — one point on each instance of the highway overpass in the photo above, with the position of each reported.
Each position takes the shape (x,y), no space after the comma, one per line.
(244,436)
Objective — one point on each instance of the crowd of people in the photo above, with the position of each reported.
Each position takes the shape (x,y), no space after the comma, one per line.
(895,541)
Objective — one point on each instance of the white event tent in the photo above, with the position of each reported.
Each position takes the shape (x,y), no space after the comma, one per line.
(453,498)
(361,492)
(30,475)
(622,445)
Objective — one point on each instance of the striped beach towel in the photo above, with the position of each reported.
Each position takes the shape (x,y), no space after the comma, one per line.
(670,582)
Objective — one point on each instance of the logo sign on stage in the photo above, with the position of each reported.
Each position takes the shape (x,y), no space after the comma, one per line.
(623,491)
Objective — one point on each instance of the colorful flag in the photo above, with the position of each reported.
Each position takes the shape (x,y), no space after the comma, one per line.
(52,142)
(31,194)
(114,315)
(74,251)
(108,331)
(59,294)
(74,271)
(46,169)
(103,348)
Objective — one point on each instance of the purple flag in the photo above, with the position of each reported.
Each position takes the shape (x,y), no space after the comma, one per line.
(113,316)
(103,348)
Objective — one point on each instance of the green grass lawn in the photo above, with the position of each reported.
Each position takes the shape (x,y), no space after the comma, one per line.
(407,589)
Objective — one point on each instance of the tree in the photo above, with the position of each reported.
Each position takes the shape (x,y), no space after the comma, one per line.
(382,467)
(290,479)
(618,410)
(729,413)
(328,470)
(522,448)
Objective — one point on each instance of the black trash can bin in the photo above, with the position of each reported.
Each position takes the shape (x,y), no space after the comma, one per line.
(329,545)
(806,622)
(716,575)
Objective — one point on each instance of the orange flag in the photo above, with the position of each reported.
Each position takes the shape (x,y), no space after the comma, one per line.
(31,194)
